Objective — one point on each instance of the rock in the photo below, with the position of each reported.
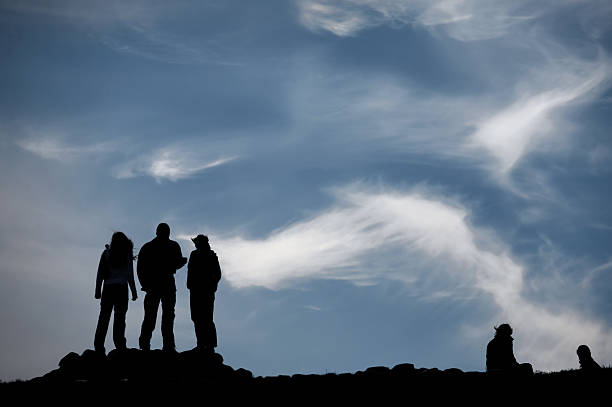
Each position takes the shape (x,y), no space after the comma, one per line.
(377,371)
(244,374)
(403,369)
(144,366)
(69,361)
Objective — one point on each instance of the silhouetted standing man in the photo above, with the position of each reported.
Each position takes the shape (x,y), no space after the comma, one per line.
(203,275)
(158,261)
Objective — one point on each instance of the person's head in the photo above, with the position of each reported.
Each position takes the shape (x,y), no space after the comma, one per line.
(121,249)
(201,242)
(163,231)
(583,352)
(503,330)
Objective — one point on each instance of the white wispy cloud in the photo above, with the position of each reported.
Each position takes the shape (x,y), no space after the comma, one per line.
(381,109)
(422,241)
(151,42)
(56,149)
(463,20)
(135,28)
(513,132)
(493,130)
(329,16)
(474,20)
(466,20)
(171,163)
(596,271)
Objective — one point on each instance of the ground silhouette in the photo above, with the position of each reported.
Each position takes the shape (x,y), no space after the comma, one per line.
(155,376)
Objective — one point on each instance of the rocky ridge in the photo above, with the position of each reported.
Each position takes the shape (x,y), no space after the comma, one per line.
(154,375)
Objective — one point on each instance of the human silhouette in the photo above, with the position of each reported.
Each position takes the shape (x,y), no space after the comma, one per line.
(500,353)
(586,360)
(158,261)
(115,274)
(203,275)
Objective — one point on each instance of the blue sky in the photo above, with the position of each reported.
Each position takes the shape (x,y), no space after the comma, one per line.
(383,180)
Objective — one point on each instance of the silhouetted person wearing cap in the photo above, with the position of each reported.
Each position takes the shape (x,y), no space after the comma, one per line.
(158,261)
(500,354)
(586,360)
(115,274)
(203,275)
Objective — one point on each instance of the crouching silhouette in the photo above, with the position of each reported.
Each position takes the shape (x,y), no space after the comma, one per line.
(500,353)
(203,275)
(586,360)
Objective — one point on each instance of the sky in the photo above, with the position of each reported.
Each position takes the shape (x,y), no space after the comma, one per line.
(384,181)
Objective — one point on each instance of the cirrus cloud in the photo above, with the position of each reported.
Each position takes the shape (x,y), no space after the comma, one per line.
(170,163)
(462,20)
(412,237)
(53,148)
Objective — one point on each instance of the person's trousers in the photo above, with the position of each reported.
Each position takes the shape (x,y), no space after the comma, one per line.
(114,298)
(151,306)
(202,304)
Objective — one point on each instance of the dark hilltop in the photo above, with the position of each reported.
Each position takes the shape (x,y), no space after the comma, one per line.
(160,377)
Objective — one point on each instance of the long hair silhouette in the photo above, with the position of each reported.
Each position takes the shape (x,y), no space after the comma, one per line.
(121,249)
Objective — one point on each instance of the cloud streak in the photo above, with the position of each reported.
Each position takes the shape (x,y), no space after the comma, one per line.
(414,238)
(532,110)
(55,149)
(134,28)
(464,20)
(148,41)
(171,163)
(513,132)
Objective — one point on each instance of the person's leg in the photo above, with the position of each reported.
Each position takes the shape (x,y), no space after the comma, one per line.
(121,306)
(168,301)
(151,305)
(106,307)
(211,329)
(194,306)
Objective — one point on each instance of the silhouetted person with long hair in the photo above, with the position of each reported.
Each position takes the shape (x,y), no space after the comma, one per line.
(500,353)
(115,274)
(203,275)
(158,261)
(586,360)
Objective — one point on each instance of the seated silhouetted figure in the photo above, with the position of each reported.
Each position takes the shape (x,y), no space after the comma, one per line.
(203,275)
(500,354)
(586,361)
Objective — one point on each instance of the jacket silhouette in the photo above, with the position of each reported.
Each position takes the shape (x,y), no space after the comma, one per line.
(203,275)
(500,353)
(115,274)
(158,261)
(585,359)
